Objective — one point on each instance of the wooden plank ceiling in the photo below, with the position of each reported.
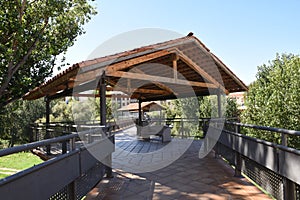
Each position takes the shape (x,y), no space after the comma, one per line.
(173,69)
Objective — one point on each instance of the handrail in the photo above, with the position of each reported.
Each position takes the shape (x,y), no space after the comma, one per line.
(274,167)
(264,128)
(267,128)
(272,144)
(29,146)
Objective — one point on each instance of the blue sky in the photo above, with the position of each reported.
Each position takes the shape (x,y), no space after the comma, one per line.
(243,34)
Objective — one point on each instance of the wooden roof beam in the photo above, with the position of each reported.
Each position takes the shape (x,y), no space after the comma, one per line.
(200,71)
(158,84)
(134,61)
(140,90)
(161,79)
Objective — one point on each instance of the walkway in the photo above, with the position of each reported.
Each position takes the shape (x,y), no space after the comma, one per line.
(187,178)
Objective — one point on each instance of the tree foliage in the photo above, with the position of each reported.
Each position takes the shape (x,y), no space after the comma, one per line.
(16,119)
(199,107)
(202,107)
(33,33)
(73,111)
(273,99)
(232,110)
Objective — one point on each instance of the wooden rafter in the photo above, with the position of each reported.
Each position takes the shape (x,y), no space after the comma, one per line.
(151,78)
(140,90)
(88,75)
(85,75)
(127,90)
(134,61)
(200,71)
(158,84)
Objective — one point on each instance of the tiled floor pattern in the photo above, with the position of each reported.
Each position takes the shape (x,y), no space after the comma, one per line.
(188,178)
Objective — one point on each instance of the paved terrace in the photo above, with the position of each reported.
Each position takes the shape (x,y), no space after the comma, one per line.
(187,178)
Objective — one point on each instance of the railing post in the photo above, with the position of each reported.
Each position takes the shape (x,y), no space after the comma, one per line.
(205,127)
(216,150)
(238,164)
(182,130)
(72,191)
(47,136)
(64,147)
(72,185)
(289,189)
(108,169)
(284,139)
(72,144)
(37,132)
(238,157)
(89,138)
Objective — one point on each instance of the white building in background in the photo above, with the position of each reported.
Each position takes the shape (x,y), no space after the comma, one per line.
(239,98)
(120,99)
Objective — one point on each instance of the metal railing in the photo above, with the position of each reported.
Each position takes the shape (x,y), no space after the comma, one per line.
(274,167)
(70,175)
(41,131)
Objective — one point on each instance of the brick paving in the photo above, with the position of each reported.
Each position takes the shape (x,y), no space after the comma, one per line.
(188,178)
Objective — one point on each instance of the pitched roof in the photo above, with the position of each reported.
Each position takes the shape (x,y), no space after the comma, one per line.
(146,106)
(148,73)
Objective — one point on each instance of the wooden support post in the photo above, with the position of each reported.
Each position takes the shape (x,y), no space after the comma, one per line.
(47,135)
(219,105)
(140,113)
(175,58)
(102,101)
(108,169)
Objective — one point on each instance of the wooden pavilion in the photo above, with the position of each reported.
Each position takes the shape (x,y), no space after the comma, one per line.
(178,68)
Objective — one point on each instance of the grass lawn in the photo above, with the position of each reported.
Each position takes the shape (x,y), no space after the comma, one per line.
(11,164)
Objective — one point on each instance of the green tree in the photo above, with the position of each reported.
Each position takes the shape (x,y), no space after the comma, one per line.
(208,107)
(62,111)
(273,99)
(33,34)
(232,110)
(86,109)
(16,119)
(111,108)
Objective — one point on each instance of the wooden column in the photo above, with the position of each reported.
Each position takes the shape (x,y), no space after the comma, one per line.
(102,84)
(219,104)
(140,112)
(47,135)
(102,100)
(175,58)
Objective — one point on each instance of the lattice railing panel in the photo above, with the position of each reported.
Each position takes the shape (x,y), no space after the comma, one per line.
(265,178)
